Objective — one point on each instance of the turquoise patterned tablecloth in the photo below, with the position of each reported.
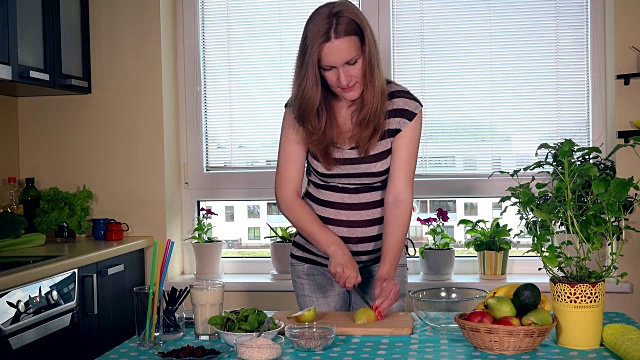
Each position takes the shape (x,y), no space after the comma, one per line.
(425,343)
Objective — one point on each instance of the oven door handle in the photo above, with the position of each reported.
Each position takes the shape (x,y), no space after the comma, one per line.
(94,286)
(40,331)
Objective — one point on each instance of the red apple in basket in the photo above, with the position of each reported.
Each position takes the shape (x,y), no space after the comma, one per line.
(508,321)
(479,316)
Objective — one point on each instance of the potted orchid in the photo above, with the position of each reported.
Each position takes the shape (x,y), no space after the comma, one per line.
(202,232)
(207,249)
(437,255)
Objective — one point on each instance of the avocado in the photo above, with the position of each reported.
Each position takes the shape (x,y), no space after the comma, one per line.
(526,298)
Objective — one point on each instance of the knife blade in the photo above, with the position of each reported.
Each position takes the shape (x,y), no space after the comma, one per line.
(359,292)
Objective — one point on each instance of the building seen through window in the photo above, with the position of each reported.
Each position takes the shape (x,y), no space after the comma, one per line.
(245,235)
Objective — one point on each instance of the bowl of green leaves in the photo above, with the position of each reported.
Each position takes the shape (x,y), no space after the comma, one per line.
(231,324)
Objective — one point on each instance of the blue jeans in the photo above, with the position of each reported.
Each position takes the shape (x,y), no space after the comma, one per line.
(314,286)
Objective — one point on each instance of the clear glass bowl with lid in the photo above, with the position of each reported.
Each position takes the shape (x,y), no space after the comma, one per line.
(437,307)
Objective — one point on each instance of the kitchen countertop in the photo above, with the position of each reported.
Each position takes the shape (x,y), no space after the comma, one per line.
(81,252)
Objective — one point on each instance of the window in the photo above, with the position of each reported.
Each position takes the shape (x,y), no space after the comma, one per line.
(470,209)
(254,233)
(447,205)
(496,78)
(253,211)
(228,214)
(272,209)
(415,231)
(486,71)
(496,208)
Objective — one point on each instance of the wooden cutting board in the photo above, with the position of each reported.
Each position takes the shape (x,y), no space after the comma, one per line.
(400,323)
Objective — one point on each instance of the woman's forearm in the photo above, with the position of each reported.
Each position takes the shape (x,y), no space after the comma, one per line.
(397,215)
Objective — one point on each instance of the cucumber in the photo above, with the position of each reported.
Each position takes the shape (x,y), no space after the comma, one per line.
(25,241)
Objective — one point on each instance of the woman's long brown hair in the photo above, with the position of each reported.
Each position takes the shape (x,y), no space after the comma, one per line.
(312,99)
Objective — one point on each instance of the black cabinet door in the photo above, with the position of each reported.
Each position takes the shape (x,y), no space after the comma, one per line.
(105,313)
(5,65)
(88,325)
(34,40)
(71,43)
(116,279)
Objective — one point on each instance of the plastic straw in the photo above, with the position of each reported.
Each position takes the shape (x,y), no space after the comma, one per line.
(151,278)
(164,272)
(155,293)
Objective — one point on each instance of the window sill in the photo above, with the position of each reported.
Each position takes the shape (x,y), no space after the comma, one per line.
(265,283)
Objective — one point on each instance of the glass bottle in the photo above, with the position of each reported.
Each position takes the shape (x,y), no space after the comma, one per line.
(30,199)
(13,195)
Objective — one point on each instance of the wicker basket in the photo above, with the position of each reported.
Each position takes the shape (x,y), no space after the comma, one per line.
(499,339)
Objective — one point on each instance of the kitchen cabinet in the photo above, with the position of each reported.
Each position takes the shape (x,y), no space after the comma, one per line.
(46,47)
(105,317)
(5,67)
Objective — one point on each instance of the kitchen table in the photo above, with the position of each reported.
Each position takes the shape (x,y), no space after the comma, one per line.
(425,343)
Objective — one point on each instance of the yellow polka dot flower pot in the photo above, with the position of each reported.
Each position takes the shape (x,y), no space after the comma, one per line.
(579,310)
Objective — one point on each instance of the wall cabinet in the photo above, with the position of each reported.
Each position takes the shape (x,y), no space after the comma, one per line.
(46,47)
(5,67)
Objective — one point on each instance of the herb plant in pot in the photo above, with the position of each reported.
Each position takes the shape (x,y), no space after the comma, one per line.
(492,242)
(207,249)
(437,256)
(576,210)
(64,210)
(281,242)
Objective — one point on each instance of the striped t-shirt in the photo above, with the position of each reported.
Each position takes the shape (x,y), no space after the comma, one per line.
(349,199)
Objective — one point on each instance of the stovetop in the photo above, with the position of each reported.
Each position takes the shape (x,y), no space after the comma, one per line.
(10,263)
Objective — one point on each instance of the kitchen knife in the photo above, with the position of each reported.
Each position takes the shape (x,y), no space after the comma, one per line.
(356,290)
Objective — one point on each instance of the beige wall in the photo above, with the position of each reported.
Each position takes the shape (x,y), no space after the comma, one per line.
(121,141)
(8,143)
(627,28)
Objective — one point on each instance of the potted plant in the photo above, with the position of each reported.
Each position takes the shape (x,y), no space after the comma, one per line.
(437,256)
(207,249)
(575,209)
(65,209)
(492,242)
(281,242)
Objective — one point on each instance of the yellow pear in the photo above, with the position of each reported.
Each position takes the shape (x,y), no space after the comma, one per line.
(365,315)
(306,315)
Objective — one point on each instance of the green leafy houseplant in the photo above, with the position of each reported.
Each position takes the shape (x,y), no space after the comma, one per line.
(202,232)
(58,206)
(485,236)
(576,211)
(438,238)
(281,234)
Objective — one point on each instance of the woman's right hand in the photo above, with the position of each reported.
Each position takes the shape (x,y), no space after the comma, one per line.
(344,269)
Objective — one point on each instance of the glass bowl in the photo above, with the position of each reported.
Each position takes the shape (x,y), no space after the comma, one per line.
(229,337)
(310,336)
(250,347)
(438,306)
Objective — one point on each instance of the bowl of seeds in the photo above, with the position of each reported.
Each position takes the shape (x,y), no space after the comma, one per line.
(252,347)
(310,336)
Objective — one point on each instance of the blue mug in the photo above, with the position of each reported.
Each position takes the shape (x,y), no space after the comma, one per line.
(99,228)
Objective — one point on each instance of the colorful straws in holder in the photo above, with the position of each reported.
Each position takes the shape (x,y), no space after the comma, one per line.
(161,257)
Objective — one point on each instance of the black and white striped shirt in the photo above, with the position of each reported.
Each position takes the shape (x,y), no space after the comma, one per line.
(349,199)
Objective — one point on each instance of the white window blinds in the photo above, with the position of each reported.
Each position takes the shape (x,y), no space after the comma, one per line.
(248,51)
(496,78)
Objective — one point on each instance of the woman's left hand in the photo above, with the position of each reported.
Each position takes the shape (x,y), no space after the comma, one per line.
(387,291)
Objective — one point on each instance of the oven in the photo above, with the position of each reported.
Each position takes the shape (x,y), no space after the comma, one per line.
(38,316)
